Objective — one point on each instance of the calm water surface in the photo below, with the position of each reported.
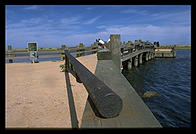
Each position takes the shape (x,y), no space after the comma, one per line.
(171,78)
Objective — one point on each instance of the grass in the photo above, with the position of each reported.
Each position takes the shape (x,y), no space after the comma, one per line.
(177,46)
(183,47)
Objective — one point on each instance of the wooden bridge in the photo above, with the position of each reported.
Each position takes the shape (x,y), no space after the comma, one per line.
(146,52)
(112,101)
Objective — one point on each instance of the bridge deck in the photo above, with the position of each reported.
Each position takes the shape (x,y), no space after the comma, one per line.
(131,55)
(134,113)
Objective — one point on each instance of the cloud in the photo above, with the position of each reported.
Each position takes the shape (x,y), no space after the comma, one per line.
(70,20)
(90,21)
(33,7)
(31,21)
(101,26)
(89,8)
(129,11)
(24,23)
(135,11)
(166,34)
(45,32)
(51,37)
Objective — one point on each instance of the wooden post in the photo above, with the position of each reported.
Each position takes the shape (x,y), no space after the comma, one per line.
(63,47)
(129,64)
(10,55)
(140,58)
(152,56)
(136,61)
(114,47)
(94,46)
(147,56)
(80,48)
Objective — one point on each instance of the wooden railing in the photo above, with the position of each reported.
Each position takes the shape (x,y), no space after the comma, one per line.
(78,51)
(43,53)
(106,102)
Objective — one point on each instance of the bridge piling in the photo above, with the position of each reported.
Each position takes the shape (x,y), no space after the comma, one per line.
(129,64)
(149,56)
(146,56)
(136,61)
(152,56)
(140,58)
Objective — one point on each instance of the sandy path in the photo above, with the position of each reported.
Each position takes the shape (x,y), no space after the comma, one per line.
(36,94)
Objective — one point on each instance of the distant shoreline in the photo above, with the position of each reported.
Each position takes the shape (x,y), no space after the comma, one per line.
(179,47)
(183,47)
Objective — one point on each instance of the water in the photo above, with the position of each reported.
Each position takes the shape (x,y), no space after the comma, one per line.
(171,78)
(41,59)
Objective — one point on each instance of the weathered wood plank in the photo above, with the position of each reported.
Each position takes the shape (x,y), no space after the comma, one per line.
(135,114)
(48,55)
(107,103)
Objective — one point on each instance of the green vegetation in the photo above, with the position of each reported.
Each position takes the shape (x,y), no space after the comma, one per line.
(176,46)
(62,66)
(183,46)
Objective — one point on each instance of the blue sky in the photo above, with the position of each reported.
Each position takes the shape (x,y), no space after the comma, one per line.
(54,25)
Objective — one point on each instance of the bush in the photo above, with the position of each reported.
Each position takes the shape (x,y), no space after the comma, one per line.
(62,66)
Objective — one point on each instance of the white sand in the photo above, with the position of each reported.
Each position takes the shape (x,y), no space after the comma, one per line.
(36,94)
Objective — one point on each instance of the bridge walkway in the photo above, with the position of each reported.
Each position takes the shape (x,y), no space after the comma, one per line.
(134,114)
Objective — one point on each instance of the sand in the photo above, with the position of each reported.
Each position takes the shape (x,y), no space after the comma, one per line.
(37,97)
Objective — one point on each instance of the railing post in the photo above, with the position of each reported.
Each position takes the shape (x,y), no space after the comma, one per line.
(94,46)
(66,61)
(115,47)
(9,54)
(80,48)
(63,47)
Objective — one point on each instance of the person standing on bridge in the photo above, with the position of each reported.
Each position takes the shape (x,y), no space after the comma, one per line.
(101,43)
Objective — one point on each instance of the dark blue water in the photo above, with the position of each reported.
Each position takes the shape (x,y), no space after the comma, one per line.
(171,78)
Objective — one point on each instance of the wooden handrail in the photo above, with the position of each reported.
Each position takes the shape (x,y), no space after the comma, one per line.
(107,103)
